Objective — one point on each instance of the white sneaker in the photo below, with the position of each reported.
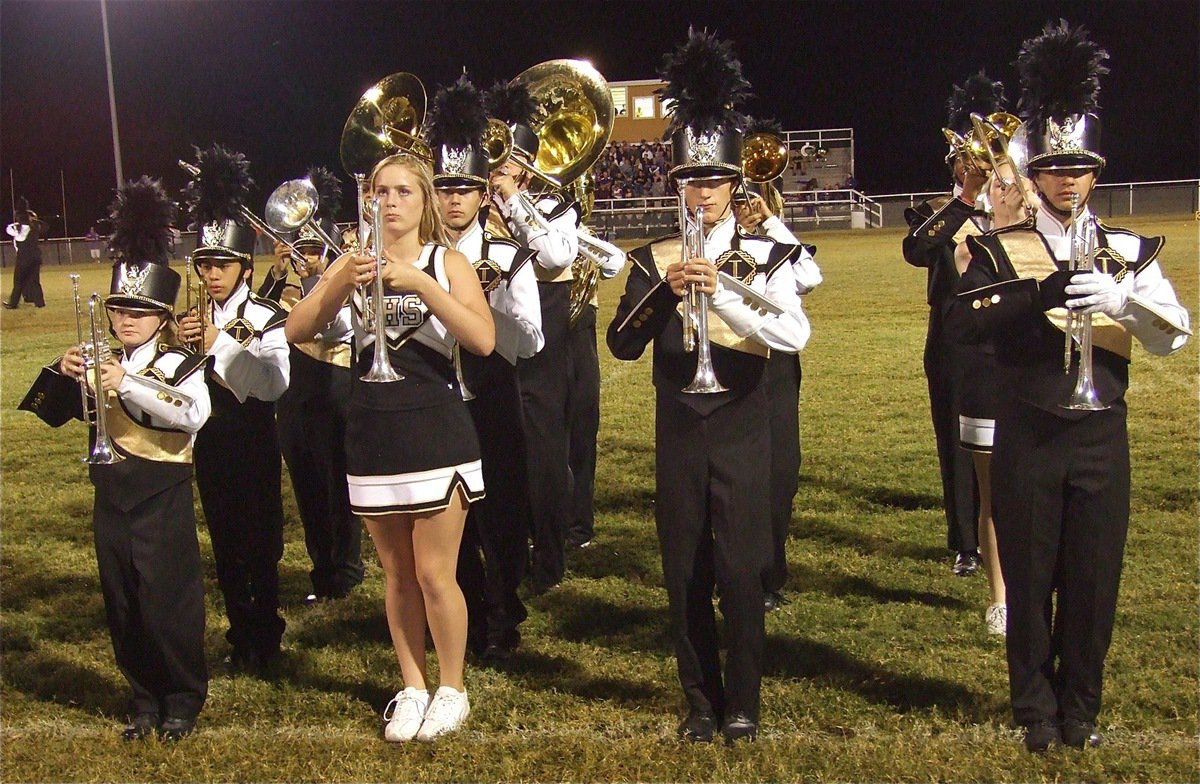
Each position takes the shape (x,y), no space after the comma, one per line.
(404,714)
(996,619)
(447,712)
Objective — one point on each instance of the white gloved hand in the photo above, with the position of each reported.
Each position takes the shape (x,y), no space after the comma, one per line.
(1095,292)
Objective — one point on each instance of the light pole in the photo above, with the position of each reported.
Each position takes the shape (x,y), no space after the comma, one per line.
(112,96)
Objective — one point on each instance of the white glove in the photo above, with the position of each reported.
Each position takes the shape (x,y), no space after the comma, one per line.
(1095,292)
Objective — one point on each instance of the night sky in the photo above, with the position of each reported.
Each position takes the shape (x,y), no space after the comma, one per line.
(276,80)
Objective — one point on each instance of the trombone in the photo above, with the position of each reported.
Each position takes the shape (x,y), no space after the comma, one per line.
(695,305)
(95,354)
(992,134)
(1079,325)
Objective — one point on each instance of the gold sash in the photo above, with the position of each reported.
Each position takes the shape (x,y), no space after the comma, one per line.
(564,275)
(968,229)
(1030,258)
(667,253)
(336,354)
(134,438)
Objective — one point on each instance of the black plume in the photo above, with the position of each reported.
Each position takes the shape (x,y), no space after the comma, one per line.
(457,118)
(704,84)
(329,192)
(222,186)
(979,95)
(1060,72)
(763,125)
(141,216)
(510,103)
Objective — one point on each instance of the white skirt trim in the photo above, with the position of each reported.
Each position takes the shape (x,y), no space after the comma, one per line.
(419,491)
(976,434)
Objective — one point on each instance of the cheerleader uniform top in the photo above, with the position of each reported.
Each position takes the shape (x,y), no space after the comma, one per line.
(410,444)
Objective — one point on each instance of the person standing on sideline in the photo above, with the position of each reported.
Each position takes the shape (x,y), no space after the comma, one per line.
(26,231)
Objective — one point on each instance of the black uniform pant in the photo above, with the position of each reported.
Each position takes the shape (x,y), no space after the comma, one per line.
(1061,492)
(959,494)
(494,550)
(311,419)
(583,408)
(783,395)
(27,283)
(711,509)
(238,474)
(151,578)
(543,381)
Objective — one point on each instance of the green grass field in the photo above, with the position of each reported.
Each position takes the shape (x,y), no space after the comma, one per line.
(878,669)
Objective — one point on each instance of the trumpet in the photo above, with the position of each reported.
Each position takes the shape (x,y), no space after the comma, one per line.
(95,354)
(695,306)
(1079,325)
(381,368)
(201,305)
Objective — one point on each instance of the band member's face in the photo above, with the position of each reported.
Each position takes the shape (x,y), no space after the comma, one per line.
(221,278)
(314,261)
(459,206)
(401,200)
(1057,186)
(134,327)
(713,194)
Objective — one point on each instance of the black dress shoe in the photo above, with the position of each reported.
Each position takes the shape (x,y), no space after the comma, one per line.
(967,563)
(8,305)
(175,728)
(141,727)
(1080,734)
(773,600)
(1041,735)
(700,726)
(739,727)
(501,646)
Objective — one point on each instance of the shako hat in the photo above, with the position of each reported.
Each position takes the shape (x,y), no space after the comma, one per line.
(977,94)
(705,85)
(1060,73)
(454,131)
(512,104)
(329,201)
(215,197)
(141,216)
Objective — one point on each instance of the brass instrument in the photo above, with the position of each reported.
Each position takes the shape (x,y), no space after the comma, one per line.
(381,368)
(201,304)
(258,223)
(695,306)
(764,158)
(992,134)
(574,120)
(498,144)
(1079,325)
(83,394)
(385,121)
(95,354)
(291,207)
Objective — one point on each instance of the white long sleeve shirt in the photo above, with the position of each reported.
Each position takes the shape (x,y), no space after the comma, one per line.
(250,354)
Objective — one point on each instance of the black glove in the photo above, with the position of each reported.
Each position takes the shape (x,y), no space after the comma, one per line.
(1052,290)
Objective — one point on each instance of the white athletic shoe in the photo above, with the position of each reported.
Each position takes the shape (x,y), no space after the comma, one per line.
(404,714)
(996,619)
(447,712)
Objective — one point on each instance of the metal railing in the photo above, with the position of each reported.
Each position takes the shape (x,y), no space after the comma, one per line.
(652,216)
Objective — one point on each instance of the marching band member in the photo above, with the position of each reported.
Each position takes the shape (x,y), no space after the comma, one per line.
(497,526)
(1060,474)
(936,226)
(311,414)
(783,378)
(238,467)
(412,456)
(548,225)
(712,450)
(143,514)
(26,231)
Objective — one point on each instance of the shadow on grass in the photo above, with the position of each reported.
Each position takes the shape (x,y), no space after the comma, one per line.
(49,677)
(866,541)
(824,665)
(887,497)
(577,617)
(803,580)
(537,671)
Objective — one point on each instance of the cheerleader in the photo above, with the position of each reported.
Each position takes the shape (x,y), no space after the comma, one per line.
(412,457)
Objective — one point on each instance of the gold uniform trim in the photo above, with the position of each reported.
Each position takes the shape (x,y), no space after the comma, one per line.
(337,354)
(133,438)
(1030,258)
(667,253)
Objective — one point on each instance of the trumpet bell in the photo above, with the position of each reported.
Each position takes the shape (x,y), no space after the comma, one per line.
(764,157)
(385,121)
(574,119)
